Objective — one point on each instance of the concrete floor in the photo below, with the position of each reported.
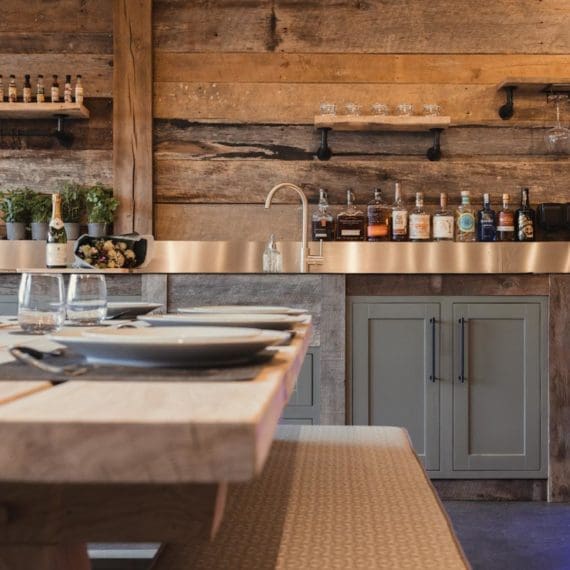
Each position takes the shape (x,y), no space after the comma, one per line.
(494,536)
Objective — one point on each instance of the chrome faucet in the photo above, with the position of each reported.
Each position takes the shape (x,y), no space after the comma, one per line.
(306,258)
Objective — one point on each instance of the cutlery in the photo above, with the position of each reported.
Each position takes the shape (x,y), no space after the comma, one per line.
(33,357)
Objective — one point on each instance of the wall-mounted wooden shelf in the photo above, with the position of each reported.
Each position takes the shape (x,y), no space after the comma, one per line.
(43,111)
(406,123)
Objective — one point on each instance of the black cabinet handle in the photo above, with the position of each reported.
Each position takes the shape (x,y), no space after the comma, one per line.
(433,377)
(461,377)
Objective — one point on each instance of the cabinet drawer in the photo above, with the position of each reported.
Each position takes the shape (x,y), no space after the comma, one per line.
(303,393)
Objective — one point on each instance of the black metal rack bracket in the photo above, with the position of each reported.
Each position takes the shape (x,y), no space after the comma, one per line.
(434,152)
(324,152)
(507,110)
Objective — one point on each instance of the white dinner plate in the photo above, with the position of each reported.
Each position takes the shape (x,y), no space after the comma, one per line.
(261,321)
(169,347)
(244,309)
(129,309)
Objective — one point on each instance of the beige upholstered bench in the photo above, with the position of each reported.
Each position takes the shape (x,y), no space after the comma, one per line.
(332,497)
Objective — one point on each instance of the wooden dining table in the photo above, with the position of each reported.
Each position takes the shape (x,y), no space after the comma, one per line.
(128,460)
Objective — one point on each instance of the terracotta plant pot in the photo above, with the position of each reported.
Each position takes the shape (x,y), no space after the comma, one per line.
(39,230)
(15,230)
(96,229)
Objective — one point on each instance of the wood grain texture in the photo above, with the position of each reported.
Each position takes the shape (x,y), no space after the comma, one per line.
(559,390)
(19,43)
(377,26)
(45,556)
(10,391)
(337,68)
(132,115)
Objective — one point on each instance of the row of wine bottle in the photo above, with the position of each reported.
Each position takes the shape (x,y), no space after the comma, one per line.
(383,222)
(70,93)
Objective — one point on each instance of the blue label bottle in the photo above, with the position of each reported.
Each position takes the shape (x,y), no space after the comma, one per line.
(486,221)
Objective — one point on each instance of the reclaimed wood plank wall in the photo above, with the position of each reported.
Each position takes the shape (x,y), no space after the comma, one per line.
(236,86)
(67,36)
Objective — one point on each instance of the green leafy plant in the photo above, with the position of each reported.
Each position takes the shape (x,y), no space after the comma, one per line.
(15,205)
(41,208)
(101,205)
(72,201)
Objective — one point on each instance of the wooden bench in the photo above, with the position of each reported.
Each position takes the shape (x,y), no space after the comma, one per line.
(330,497)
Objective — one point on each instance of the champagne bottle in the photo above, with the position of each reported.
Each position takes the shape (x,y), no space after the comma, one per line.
(56,246)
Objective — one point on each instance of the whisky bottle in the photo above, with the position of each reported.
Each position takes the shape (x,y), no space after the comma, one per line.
(67,90)
(323,222)
(506,225)
(419,221)
(55,90)
(56,246)
(525,218)
(40,90)
(350,223)
(465,219)
(443,222)
(27,90)
(378,214)
(78,90)
(12,90)
(486,221)
(399,218)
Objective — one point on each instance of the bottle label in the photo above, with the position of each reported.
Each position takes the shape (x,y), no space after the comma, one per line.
(56,254)
(399,223)
(27,95)
(525,228)
(55,94)
(487,229)
(79,95)
(12,94)
(443,227)
(67,93)
(506,222)
(40,97)
(350,233)
(377,230)
(466,223)
(419,226)
(56,224)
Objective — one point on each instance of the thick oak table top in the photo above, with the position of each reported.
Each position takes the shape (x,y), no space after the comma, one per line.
(145,432)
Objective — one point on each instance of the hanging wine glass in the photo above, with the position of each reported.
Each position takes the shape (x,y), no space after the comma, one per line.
(558,138)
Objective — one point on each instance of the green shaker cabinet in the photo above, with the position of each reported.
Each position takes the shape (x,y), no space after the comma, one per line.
(466,377)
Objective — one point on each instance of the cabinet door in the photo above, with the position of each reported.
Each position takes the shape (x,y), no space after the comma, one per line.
(496,386)
(395,363)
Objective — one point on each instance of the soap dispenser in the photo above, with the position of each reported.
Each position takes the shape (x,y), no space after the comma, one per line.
(272,260)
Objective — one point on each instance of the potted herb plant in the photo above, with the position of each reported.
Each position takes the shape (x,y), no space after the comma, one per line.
(40,214)
(101,208)
(72,207)
(15,206)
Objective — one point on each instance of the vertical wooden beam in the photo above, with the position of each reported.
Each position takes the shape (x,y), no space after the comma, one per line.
(132,114)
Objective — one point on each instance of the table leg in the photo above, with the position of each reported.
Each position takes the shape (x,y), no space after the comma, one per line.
(44,557)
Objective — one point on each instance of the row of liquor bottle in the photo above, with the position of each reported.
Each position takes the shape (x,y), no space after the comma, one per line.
(70,93)
(383,222)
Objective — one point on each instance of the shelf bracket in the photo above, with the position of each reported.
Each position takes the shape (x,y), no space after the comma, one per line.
(434,152)
(65,139)
(507,110)
(324,152)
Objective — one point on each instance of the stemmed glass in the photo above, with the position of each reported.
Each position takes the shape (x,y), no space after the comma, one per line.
(558,137)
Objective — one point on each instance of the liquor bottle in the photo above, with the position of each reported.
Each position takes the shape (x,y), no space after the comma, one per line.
(56,246)
(55,90)
(465,219)
(525,218)
(419,221)
(1,89)
(399,218)
(323,222)
(40,90)
(443,222)
(378,214)
(27,90)
(12,90)
(78,90)
(506,225)
(486,221)
(67,90)
(350,224)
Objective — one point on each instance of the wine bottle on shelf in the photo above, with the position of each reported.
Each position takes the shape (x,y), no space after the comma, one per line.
(419,221)
(465,217)
(56,246)
(67,90)
(506,225)
(12,90)
(40,90)
(350,223)
(399,218)
(55,90)
(525,218)
(323,222)
(443,222)
(27,90)
(486,221)
(79,90)
(378,214)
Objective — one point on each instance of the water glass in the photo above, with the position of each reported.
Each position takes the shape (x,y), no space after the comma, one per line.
(328,109)
(432,110)
(352,109)
(405,109)
(41,303)
(86,299)
(380,109)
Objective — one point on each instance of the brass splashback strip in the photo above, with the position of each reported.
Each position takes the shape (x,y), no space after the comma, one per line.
(348,257)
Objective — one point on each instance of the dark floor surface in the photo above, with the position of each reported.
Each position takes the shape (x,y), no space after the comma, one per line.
(494,536)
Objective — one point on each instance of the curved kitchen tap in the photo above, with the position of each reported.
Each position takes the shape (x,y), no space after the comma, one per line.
(306,258)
